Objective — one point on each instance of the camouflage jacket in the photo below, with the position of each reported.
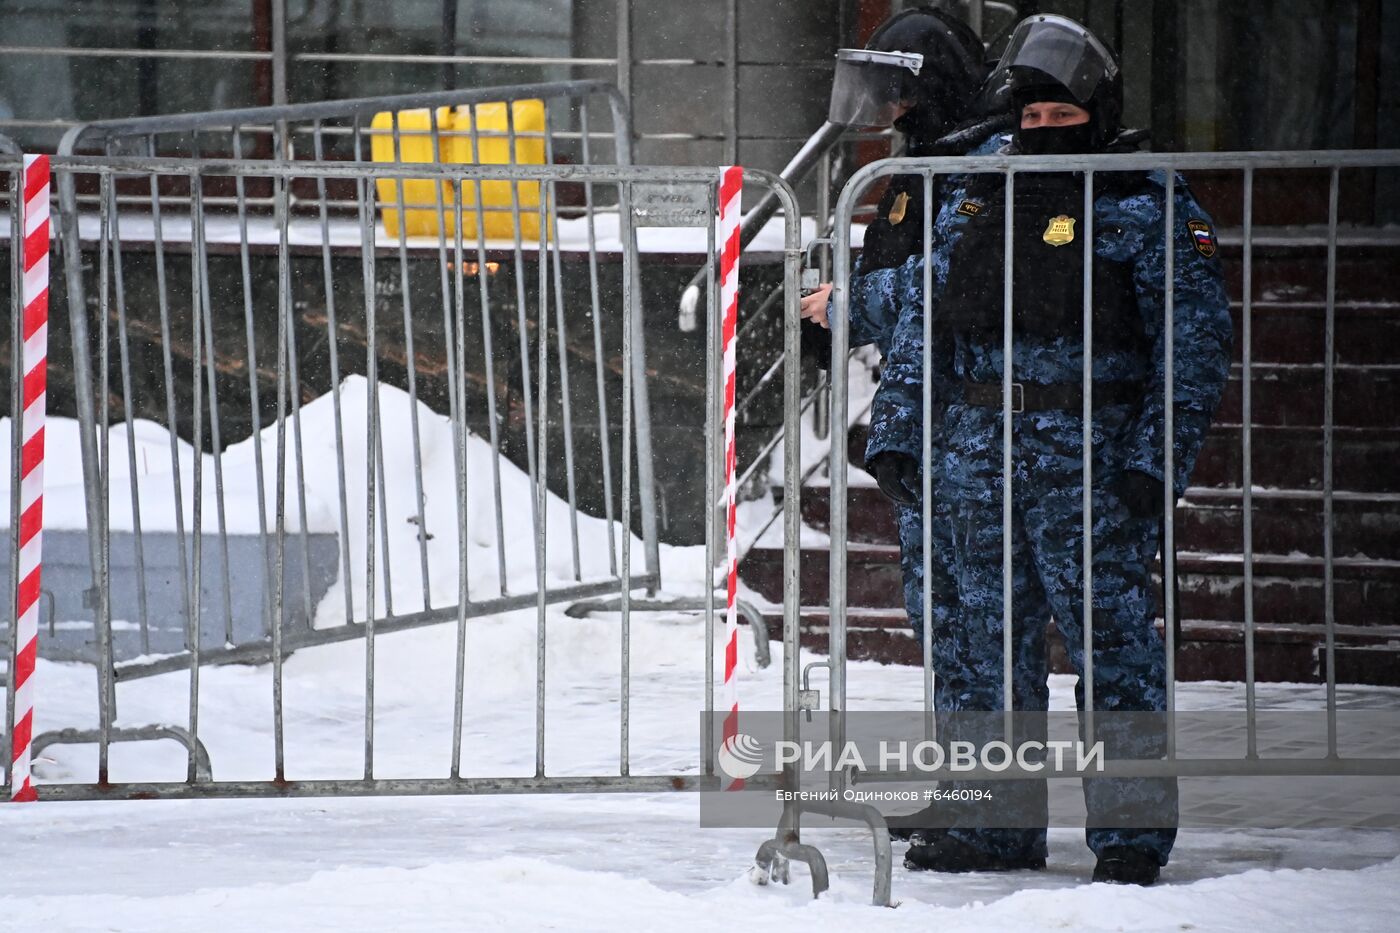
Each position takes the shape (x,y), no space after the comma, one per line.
(875,323)
(1129,229)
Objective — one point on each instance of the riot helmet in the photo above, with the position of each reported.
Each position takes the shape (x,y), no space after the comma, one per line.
(921,58)
(1053,58)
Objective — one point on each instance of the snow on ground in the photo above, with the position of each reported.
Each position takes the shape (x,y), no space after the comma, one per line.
(587,862)
(592,862)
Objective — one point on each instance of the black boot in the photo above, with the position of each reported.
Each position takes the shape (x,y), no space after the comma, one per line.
(951,854)
(1126,865)
(908,826)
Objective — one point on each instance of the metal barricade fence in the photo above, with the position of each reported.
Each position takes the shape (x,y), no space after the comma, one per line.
(1012,170)
(200,339)
(569,126)
(570,130)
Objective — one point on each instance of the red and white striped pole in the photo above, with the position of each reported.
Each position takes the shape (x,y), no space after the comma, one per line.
(730,188)
(34,365)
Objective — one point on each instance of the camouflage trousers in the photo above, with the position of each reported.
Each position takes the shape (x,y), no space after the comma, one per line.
(1129,659)
(1029,607)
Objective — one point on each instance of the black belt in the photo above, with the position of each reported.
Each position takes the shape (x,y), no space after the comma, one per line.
(1061,396)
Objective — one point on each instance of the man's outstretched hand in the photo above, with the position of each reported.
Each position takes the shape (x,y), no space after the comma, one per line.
(814,306)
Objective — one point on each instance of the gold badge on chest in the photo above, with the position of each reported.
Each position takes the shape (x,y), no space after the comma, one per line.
(901,204)
(1059,231)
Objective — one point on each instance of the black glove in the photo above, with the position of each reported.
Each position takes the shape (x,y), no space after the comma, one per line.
(1141,493)
(816,345)
(898,476)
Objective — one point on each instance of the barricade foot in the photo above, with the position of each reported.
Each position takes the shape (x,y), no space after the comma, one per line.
(771,863)
(583,608)
(879,829)
(203,768)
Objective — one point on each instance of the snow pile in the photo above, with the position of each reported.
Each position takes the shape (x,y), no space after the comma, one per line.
(148,445)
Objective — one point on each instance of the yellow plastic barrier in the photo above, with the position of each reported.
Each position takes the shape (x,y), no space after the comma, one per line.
(455,144)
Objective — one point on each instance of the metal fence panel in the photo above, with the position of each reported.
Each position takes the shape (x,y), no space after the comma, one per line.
(1012,168)
(1015,171)
(236,581)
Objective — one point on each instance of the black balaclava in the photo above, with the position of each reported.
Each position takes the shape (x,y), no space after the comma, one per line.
(947,85)
(1054,140)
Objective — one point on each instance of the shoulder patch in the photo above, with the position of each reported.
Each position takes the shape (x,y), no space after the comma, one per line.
(1202,236)
(969,208)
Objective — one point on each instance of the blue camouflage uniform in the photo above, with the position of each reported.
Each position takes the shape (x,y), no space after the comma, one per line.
(1047,462)
(875,322)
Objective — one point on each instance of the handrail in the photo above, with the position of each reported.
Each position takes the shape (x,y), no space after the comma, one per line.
(794,173)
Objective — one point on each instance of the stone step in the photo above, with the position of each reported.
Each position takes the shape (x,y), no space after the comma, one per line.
(1284,457)
(1293,267)
(1208,650)
(1286,589)
(1294,331)
(1363,459)
(1291,395)
(1211,520)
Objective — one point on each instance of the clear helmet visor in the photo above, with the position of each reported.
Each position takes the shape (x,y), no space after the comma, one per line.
(1059,50)
(869,86)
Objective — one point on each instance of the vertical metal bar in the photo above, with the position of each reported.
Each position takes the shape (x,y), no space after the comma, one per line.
(629,257)
(525,378)
(67,219)
(1247,460)
(105,679)
(651,544)
(1169,457)
(16,443)
(488,356)
(551,214)
(1087,445)
(1008,362)
(332,346)
(294,374)
(541,490)
(792,473)
(172,415)
(1328,422)
(279,53)
(712,338)
(197,297)
(731,68)
(124,362)
(646,480)
(624,76)
(255,406)
(839,413)
(373,450)
(447,43)
(459,376)
(823,398)
(201,255)
(375,460)
(975,12)
(411,367)
(604,442)
(284,311)
(926,454)
(454,398)
(454,395)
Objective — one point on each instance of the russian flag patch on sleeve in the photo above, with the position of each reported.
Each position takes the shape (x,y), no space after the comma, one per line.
(1202,236)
